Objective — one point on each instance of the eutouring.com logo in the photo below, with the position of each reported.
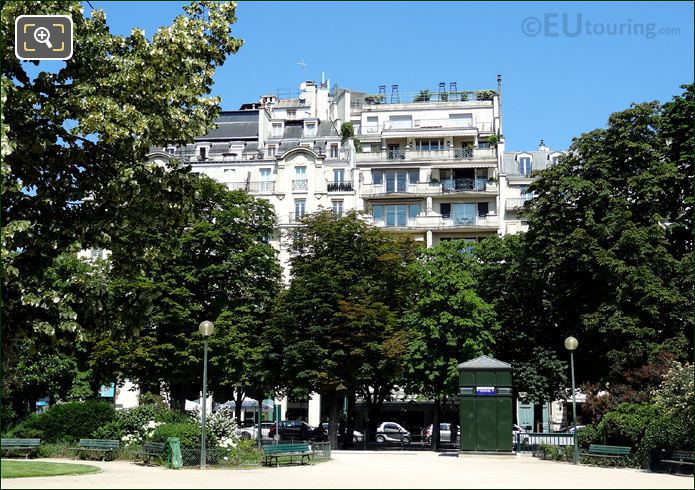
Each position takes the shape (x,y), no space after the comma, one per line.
(575,25)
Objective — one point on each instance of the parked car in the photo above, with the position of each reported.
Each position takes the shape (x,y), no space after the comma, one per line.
(392,432)
(250,431)
(357,436)
(444,432)
(296,429)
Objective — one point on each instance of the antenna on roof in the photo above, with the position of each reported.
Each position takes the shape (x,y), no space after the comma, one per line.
(395,97)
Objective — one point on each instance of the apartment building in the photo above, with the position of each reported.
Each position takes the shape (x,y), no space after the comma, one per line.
(427,162)
(519,169)
(286,150)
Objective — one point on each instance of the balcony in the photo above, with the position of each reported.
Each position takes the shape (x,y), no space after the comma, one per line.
(427,125)
(300,185)
(487,156)
(342,186)
(489,223)
(516,202)
(260,187)
(446,186)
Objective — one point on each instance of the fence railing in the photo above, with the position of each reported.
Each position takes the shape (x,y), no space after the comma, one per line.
(300,184)
(516,202)
(458,185)
(342,186)
(259,187)
(432,154)
(532,441)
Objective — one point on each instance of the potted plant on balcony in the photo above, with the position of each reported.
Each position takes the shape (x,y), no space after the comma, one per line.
(374,98)
(485,94)
(423,96)
(493,139)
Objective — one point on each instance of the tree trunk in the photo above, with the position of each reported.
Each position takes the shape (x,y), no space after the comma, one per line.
(333,418)
(350,421)
(238,400)
(435,423)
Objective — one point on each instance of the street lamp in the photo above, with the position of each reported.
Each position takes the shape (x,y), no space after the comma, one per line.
(206,329)
(571,345)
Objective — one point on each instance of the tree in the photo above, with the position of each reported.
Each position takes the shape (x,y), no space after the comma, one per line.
(507,278)
(74,143)
(448,324)
(223,269)
(610,234)
(337,328)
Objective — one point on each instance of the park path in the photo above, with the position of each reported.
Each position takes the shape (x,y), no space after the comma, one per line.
(370,470)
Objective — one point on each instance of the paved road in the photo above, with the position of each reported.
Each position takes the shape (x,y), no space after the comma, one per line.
(371,470)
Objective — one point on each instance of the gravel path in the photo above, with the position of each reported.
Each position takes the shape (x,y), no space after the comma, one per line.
(371,470)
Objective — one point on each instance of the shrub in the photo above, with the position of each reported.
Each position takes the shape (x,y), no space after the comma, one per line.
(67,422)
(626,425)
(665,432)
(112,430)
(586,436)
(137,425)
(187,432)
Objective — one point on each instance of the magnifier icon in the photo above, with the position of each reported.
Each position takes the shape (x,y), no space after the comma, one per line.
(43,36)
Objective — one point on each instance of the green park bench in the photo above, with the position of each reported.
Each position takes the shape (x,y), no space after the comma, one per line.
(150,450)
(21,445)
(603,451)
(105,446)
(678,459)
(275,451)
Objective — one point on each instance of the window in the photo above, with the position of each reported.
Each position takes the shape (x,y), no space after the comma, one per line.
(461,120)
(291,113)
(299,207)
(525,166)
(377,177)
(337,207)
(429,145)
(266,179)
(338,175)
(463,214)
(413,211)
(277,129)
(228,175)
(483,145)
(483,208)
(400,122)
(96,253)
(202,152)
(271,150)
(334,151)
(397,181)
(170,151)
(554,160)
(300,181)
(310,129)
(378,212)
(445,209)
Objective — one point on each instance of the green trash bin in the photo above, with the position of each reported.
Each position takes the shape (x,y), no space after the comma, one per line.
(174,458)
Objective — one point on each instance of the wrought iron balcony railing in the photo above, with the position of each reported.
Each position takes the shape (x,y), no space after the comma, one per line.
(342,186)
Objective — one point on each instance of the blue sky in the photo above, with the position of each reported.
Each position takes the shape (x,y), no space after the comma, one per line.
(555,86)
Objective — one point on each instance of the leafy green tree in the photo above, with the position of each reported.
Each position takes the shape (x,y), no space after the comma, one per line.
(223,269)
(336,326)
(507,278)
(74,141)
(610,234)
(449,324)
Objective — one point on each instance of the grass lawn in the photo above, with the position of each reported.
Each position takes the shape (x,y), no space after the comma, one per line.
(23,469)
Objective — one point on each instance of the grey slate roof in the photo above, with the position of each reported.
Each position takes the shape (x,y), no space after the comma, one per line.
(326,128)
(233,130)
(484,362)
(293,132)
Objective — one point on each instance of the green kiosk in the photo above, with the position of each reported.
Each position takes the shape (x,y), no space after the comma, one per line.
(485,405)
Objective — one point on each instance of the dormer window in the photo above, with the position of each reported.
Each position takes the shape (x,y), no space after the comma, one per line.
(309,129)
(202,153)
(277,129)
(525,166)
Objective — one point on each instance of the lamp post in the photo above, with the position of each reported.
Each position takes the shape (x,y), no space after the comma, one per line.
(571,344)
(206,329)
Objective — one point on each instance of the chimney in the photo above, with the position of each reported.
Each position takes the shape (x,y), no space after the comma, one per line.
(542,147)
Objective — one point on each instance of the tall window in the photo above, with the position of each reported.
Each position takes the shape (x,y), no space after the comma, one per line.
(203,153)
(525,166)
(334,151)
(300,181)
(299,207)
(337,207)
(338,175)
(291,113)
(277,129)
(271,150)
(395,214)
(266,179)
